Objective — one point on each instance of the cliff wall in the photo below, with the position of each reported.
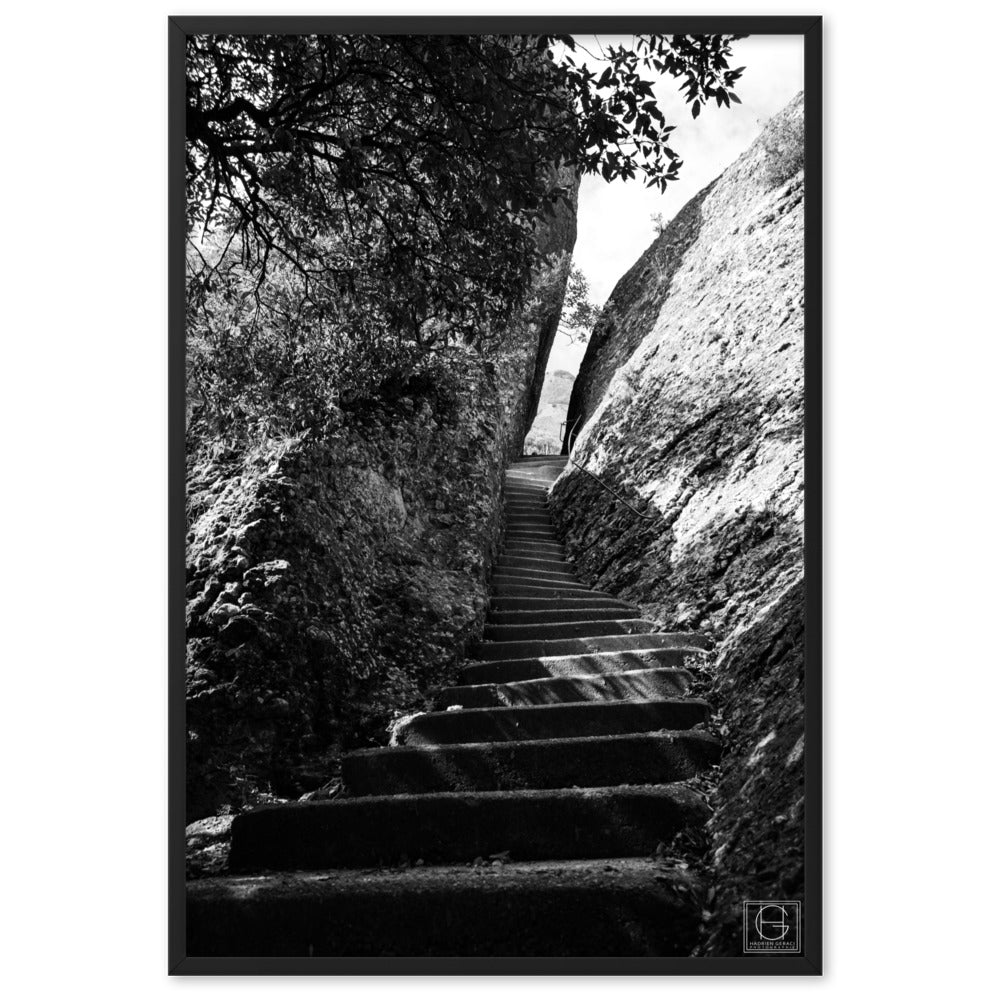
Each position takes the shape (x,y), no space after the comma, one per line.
(630,312)
(331,581)
(691,405)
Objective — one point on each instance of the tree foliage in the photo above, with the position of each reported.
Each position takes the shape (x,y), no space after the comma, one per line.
(386,190)
(579,313)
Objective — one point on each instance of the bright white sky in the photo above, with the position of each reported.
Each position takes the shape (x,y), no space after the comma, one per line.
(614,219)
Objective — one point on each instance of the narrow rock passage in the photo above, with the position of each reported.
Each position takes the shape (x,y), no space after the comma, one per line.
(516,819)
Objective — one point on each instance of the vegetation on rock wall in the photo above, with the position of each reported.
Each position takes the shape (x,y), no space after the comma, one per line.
(331,582)
(343,510)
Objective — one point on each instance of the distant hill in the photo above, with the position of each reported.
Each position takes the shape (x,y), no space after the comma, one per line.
(545,436)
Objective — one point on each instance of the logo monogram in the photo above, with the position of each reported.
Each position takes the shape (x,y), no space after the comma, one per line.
(771,926)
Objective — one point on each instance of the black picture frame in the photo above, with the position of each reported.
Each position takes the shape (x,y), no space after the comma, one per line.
(810,960)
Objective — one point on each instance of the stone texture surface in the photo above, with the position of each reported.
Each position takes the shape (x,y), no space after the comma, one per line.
(332,582)
(757,833)
(630,312)
(692,404)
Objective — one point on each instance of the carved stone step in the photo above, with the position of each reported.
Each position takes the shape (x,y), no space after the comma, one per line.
(520,909)
(544,722)
(528,825)
(588,761)
(558,603)
(552,631)
(540,667)
(662,682)
(559,615)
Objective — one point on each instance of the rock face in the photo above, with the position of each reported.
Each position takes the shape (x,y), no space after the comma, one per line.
(631,312)
(331,582)
(690,401)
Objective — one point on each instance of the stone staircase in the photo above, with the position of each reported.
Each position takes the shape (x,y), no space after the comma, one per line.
(520,817)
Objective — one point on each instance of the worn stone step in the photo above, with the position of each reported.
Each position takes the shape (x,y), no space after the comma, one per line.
(617,907)
(547,549)
(529,517)
(527,825)
(532,549)
(520,535)
(546,576)
(534,543)
(566,569)
(533,668)
(585,761)
(533,578)
(551,631)
(520,586)
(558,603)
(558,615)
(522,546)
(531,562)
(531,544)
(657,682)
(520,573)
(525,494)
(545,722)
(538,585)
(518,649)
(534,587)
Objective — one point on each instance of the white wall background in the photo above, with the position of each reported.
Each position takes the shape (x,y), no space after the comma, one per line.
(911,551)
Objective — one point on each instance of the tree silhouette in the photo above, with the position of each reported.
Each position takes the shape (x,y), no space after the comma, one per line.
(412,169)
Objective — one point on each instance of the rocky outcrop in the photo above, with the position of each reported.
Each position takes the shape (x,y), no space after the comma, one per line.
(331,581)
(630,313)
(691,406)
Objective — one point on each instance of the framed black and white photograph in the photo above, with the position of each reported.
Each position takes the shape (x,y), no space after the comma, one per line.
(495,500)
